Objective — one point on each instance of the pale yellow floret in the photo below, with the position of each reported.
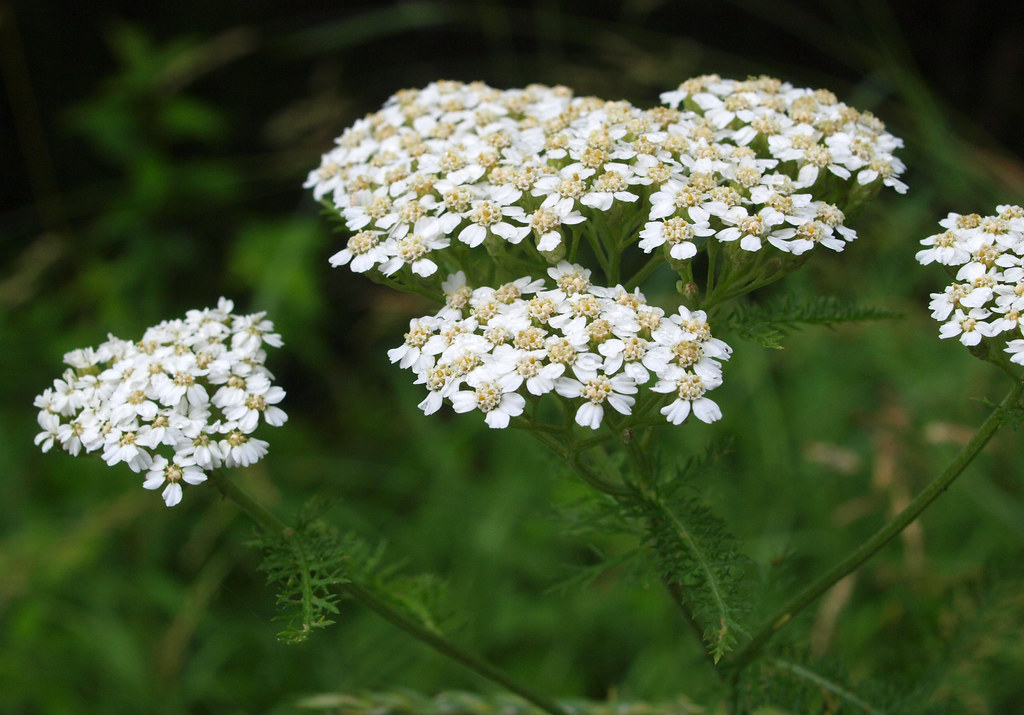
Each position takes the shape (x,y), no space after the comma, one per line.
(597,390)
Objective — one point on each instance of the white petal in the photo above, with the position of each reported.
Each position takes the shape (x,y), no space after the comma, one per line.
(706,410)
(677,411)
(473,235)
(589,415)
(172,494)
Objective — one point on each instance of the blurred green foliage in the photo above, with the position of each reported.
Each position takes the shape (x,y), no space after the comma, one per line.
(175,177)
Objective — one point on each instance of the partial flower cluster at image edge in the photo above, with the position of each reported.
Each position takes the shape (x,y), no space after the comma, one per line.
(985,256)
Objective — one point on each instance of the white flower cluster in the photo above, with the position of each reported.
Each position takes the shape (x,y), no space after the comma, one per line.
(742,161)
(183,400)
(987,296)
(487,346)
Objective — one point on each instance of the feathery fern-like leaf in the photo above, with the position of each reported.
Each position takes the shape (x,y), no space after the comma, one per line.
(696,556)
(799,684)
(419,597)
(312,565)
(307,566)
(768,324)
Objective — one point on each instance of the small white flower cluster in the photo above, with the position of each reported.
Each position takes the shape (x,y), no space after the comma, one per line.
(743,161)
(487,346)
(183,400)
(987,296)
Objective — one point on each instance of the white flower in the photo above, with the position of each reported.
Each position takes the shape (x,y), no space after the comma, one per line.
(630,355)
(120,446)
(1016,350)
(888,168)
(981,281)
(441,380)
(262,402)
(250,332)
(750,229)
(540,376)
(241,450)
(181,379)
(966,325)
(488,216)
(494,396)
(673,196)
(678,233)
(167,428)
(597,389)
(942,304)
(547,222)
(570,278)
(410,354)
(945,248)
(364,250)
(412,248)
(180,469)
(50,423)
(612,186)
(562,190)
(689,388)
(489,166)
(200,446)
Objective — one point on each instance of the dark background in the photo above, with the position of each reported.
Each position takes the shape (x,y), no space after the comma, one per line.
(277,54)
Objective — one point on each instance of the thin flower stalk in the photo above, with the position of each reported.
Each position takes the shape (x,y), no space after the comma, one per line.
(880,538)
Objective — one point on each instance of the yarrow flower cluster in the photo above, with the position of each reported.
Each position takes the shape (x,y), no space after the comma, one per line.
(742,162)
(488,348)
(183,400)
(987,296)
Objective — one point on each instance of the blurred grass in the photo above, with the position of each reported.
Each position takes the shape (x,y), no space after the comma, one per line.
(180,170)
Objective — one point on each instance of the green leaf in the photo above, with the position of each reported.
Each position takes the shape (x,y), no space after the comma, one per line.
(768,324)
(695,556)
(185,118)
(799,684)
(308,566)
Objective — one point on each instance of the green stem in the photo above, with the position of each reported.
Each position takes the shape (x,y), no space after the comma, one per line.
(366,597)
(574,246)
(446,647)
(584,472)
(881,537)
(609,241)
(259,513)
(566,447)
(599,252)
(709,284)
(648,268)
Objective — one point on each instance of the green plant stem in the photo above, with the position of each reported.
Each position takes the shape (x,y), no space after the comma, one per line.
(599,252)
(881,537)
(259,513)
(571,454)
(267,520)
(648,268)
(446,647)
